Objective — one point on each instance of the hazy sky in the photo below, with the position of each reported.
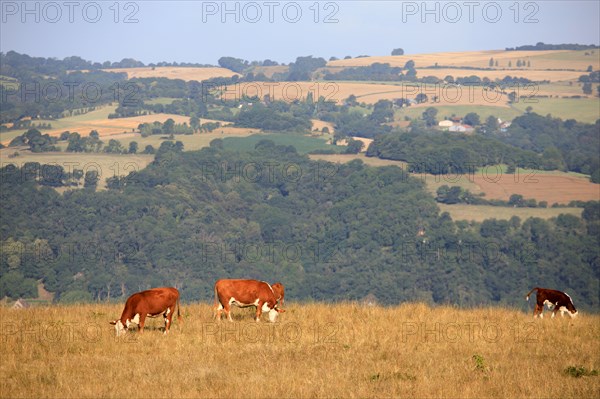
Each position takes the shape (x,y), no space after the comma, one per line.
(203,31)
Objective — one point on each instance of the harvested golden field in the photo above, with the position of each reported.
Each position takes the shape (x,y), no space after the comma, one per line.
(479,213)
(314,350)
(183,73)
(368,93)
(117,127)
(539,60)
(531,74)
(107,165)
(344,158)
(555,187)
(318,124)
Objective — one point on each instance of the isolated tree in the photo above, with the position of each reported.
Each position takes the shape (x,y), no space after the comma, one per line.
(168,126)
(410,64)
(496,63)
(195,123)
(397,51)
(133,147)
(429,116)
(491,63)
(149,150)
(491,124)
(351,100)
(91,179)
(587,88)
(590,68)
(421,98)
(472,119)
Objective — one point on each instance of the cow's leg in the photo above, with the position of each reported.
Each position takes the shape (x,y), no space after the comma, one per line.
(169,318)
(218,311)
(227,309)
(555,311)
(258,311)
(142,321)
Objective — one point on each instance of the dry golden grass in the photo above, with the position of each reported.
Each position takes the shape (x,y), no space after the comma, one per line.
(369,93)
(318,124)
(344,158)
(531,74)
(479,213)
(314,350)
(540,60)
(107,165)
(184,73)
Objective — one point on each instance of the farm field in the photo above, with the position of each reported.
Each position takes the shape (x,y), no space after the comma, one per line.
(314,350)
(479,213)
(302,143)
(540,60)
(184,73)
(97,120)
(531,74)
(580,109)
(107,165)
(367,92)
(551,186)
(556,187)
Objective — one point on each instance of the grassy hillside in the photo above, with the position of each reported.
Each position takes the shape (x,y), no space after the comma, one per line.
(314,350)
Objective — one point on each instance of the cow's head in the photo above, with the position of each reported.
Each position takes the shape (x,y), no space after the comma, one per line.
(119,327)
(273,310)
(570,307)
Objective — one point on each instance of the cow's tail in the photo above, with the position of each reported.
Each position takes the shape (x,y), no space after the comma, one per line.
(178,311)
(216,303)
(530,292)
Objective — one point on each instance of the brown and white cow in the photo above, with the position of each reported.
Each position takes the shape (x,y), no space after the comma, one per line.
(152,303)
(552,298)
(244,293)
(279,291)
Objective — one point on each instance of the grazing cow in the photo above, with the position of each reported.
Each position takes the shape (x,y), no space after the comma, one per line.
(151,303)
(279,292)
(243,293)
(552,298)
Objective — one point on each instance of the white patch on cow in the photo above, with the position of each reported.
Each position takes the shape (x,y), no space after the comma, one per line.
(549,304)
(168,311)
(265,307)
(120,328)
(273,315)
(220,306)
(541,315)
(136,318)
(562,310)
(237,303)
(573,315)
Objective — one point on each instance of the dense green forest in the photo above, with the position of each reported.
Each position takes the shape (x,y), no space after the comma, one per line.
(327,232)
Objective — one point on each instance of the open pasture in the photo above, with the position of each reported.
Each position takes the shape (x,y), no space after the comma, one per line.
(314,350)
(183,73)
